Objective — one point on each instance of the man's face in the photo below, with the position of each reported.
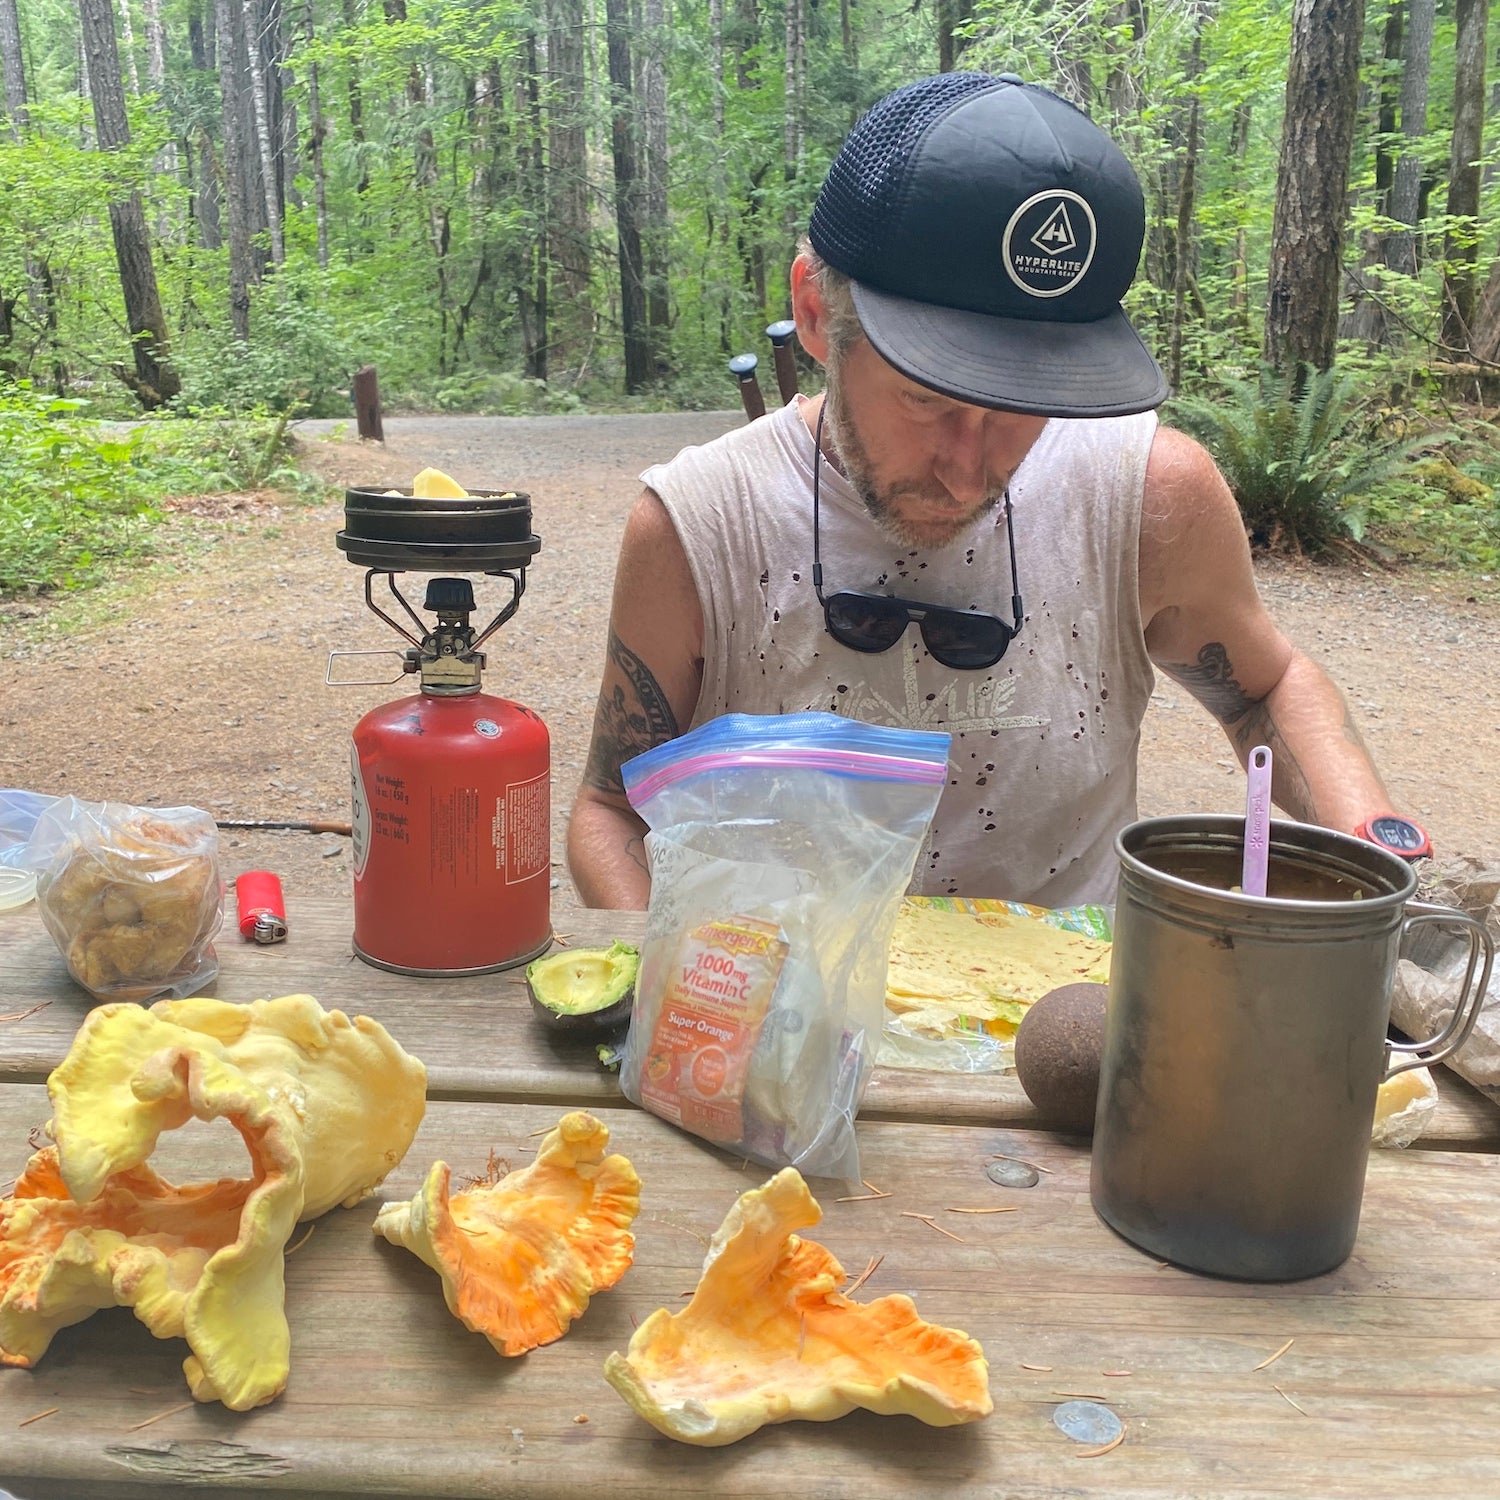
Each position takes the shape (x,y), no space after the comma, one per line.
(925,465)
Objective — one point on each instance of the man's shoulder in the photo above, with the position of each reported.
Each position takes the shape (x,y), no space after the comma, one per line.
(728,459)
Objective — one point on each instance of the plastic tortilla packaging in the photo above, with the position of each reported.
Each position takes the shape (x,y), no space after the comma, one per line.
(780,847)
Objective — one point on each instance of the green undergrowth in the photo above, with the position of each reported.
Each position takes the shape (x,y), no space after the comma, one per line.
(80,500)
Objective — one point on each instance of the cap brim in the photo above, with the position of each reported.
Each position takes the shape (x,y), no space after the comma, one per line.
(1098,369)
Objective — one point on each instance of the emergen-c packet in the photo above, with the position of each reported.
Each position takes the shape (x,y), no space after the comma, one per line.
(716,993)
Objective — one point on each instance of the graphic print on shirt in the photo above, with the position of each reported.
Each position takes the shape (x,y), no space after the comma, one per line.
(967,706)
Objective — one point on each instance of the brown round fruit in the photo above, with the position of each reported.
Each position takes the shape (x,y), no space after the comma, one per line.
(1058,1048)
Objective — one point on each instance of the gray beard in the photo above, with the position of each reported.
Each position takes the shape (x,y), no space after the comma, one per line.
(854,460)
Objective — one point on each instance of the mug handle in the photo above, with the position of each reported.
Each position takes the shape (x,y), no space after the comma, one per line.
(1470,995)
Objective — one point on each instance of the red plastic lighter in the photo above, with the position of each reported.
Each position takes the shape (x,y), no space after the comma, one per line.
(262,907)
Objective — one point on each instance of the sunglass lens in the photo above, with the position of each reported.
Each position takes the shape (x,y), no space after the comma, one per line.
(965,641)
(863,622)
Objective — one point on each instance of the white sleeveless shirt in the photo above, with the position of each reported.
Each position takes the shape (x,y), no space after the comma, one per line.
(1042,769)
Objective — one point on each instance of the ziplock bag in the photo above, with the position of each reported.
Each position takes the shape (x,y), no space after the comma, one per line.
(131,895)
(780,848)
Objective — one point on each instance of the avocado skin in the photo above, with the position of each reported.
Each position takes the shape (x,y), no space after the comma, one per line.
(1058,1050)
(606,1014)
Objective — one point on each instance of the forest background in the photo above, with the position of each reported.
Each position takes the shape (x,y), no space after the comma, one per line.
(212,212)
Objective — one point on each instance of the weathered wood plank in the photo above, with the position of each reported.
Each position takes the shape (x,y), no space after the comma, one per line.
(479,1039)
(1395,1364)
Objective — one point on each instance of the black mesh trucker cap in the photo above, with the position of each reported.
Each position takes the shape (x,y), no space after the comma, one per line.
(990,230)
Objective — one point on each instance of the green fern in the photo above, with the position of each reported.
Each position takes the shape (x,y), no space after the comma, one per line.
(1296,455)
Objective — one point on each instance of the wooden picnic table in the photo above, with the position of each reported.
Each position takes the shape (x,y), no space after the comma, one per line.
(447,1023)
(1390,1386)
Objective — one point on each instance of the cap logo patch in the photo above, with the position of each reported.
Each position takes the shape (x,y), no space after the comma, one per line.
(1049,243)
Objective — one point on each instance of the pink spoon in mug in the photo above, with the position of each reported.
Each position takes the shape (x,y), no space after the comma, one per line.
(1257,823)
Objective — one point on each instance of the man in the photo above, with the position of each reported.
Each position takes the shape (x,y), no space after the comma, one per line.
(985,450)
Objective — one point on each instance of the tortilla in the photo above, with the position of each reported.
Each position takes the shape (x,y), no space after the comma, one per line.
(950,971)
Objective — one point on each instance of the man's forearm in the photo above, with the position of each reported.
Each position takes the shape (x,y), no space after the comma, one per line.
(1322,771)
(607,855)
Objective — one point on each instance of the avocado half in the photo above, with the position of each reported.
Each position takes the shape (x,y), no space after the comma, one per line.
(585,991)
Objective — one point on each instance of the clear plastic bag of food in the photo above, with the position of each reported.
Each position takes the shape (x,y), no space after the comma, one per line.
(780,848)
(131,895)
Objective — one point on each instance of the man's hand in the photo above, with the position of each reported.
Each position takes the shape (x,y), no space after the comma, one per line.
(1206,627)
(652,674)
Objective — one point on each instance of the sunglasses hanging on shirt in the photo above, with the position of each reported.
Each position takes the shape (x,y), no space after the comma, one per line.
(963,639)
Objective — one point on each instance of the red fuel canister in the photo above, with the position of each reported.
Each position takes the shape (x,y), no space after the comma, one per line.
(452,834)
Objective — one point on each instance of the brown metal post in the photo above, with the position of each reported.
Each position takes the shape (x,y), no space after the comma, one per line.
(367,403)
(780,335)
(742,367)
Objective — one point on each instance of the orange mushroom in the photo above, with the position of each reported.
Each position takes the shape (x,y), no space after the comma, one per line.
(521,1257)
(768,1337)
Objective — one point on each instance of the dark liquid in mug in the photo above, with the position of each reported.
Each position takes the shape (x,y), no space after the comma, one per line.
(1286,880)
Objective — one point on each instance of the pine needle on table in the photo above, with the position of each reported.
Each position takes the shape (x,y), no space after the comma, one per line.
(1271,1359)
(161,1416)
(1001,1156)
(1107,1448)
(1289,1401)
(300,1243)
(51,1411)
(864,1275)
(984,1210)
(20,1015)
(932,1223)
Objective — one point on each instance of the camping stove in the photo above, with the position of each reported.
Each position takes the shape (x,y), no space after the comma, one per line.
(451,786)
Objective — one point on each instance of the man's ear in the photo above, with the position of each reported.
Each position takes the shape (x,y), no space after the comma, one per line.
(808,311)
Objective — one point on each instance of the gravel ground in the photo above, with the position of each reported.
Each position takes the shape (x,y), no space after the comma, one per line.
(203,681)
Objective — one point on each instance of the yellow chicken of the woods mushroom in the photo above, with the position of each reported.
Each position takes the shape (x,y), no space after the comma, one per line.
(327,1107)
(768,1337)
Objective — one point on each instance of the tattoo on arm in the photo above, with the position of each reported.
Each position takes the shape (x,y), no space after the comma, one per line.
(628,719)
(1212,682)
(1352,734)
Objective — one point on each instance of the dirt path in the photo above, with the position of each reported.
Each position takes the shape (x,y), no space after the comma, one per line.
(205,683)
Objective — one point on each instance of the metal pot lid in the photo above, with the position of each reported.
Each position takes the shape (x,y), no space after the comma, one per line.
(393,530)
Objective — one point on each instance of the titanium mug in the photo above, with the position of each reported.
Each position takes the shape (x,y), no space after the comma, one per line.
(1246,1041)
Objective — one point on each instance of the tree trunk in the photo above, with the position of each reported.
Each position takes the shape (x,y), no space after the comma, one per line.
(259,100)
(156,76)
(203,176)
(637,346)
(316,134)
(154,381)
(1239,146)
(1460,242)
(1121,83)
(718,223)
(12,68)
(568,173)
(952,15)
(1387,105)
(356,107)
(1406,176)
(1186,204)
(1307,233)
(1364,318)
(657,231)
(235,167)
(532,171)
(127,35)
(849,39)
(13,102)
